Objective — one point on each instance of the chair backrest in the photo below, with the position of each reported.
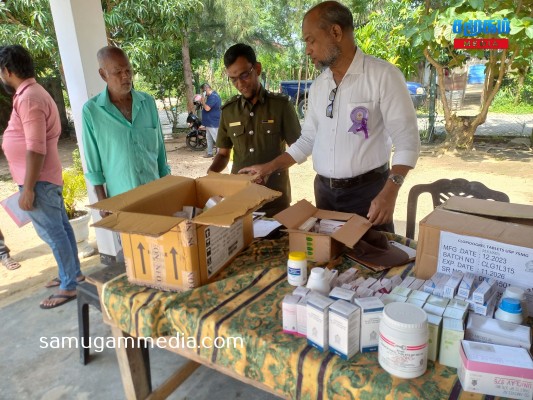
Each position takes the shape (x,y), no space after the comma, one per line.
(441,191)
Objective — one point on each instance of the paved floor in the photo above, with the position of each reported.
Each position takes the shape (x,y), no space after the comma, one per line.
(28,370)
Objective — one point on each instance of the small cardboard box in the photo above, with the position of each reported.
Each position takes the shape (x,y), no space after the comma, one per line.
(371,313)
(506,223)
(496,370)
(173,253)
(317,246)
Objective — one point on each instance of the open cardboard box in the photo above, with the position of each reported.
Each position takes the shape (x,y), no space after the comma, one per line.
(173,253)
(320,247)
(506,223)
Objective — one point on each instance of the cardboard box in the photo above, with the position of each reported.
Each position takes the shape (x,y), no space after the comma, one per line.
(505,223)
(371,312)
(317,246)
(318,321)
(173,253)
(344,326)
(289,310)
(496,370)
(450,341)
(488,330)
(434,330)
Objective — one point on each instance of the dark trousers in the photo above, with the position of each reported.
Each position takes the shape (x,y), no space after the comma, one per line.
(355,199)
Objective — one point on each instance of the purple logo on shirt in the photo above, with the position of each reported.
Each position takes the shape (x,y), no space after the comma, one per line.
(359,117)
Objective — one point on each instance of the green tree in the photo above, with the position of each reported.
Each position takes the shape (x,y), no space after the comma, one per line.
(431,29)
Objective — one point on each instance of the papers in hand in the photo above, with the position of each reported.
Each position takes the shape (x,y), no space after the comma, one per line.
(11,205)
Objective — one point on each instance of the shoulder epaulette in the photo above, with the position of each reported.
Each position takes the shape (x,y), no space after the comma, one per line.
(231,100)
(275,95)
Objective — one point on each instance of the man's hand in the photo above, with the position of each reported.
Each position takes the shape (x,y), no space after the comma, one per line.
(382,207)
(26,199)
(260,172)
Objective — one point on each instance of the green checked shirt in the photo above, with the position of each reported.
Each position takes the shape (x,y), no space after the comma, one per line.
(122,154)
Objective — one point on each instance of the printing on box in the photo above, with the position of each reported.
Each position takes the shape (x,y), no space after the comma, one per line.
(371,312)
(318,320)
(484,291)
(301,317)
(434,330)
(288,307)
(321,247)
(506,223)
(488,330)
(173,253)
(341,294)
(450,341)
(496,370)
(344,329)
(450,289)
(488,307)
(467,285)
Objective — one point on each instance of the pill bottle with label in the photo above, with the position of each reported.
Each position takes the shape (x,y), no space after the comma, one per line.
(514,292)
(403,340)
(509,310)
(297,268)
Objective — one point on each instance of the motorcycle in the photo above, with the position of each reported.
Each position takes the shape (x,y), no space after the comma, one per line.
(196,138)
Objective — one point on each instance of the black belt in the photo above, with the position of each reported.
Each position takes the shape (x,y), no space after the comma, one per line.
(370,176)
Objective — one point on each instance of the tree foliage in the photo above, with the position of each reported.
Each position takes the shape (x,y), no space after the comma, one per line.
(431,30)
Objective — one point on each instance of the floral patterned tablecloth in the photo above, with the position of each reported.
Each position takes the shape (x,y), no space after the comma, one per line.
(246,302)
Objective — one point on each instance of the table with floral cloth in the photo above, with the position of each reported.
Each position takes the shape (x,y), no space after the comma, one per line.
(246,302)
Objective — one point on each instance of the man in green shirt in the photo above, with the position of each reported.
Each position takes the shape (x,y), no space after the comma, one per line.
(257,124)
(122,136)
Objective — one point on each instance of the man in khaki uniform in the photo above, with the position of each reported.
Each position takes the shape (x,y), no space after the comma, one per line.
(257,124)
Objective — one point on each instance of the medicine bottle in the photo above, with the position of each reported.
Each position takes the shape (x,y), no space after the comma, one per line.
(514,292)
(509,310)
(297,268)
(403,340)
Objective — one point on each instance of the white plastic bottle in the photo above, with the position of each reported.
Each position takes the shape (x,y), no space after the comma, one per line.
(509,310)
(514,292)
(297,268)
(403,340)
(319,281)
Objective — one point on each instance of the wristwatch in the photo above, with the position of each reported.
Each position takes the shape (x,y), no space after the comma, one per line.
(397,179)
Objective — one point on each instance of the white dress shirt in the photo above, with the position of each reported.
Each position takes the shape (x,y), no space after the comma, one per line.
(373,89)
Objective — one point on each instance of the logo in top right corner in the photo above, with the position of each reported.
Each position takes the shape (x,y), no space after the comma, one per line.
(475,29)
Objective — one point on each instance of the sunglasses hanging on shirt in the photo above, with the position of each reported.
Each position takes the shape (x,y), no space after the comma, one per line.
(329,108)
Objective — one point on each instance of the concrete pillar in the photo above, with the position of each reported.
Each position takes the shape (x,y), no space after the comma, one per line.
(80,32)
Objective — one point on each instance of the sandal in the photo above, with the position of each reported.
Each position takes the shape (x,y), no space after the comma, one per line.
(10,264)
(66,298)
(56,281)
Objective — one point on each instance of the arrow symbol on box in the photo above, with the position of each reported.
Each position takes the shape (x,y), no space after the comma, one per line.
(141,252)
(174,252)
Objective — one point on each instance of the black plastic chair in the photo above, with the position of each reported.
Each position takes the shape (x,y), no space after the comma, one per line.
(441,191)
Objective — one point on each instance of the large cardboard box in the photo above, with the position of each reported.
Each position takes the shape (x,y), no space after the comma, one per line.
(321,247)
(172,253)
(464,223)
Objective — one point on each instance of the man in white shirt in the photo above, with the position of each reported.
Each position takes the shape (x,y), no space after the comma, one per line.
(357,109)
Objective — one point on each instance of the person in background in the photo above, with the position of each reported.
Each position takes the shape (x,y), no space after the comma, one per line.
(5,259)
(257,124)
(30,145)
(122,136)
(210,116)
(358,108)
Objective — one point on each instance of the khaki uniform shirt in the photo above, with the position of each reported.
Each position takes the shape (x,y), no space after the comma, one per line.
(258,133)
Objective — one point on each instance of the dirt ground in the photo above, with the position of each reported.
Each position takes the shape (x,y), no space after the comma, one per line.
(505,167)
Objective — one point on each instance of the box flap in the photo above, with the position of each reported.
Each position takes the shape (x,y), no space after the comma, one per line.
(294,216)
(352,231)
(489,208)
(336,215)
(237,205)
(142,224)
(124,200)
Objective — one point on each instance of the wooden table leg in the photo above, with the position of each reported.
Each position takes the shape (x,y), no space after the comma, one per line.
(133,370)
